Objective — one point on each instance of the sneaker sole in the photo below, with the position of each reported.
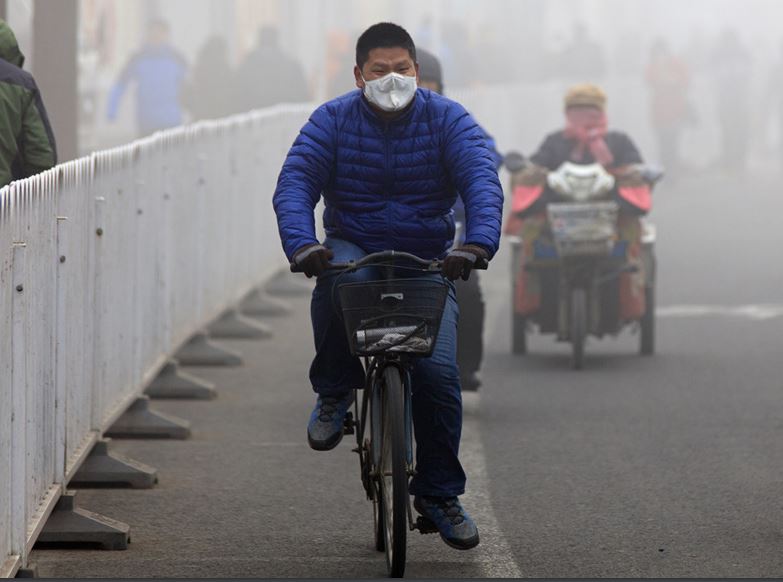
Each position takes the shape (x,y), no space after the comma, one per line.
(324,445)
(466,545)
(469,545)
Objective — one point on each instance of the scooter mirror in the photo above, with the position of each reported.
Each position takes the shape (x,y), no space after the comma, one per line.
(514,162)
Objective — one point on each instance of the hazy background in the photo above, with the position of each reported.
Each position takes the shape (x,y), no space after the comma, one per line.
(507,60)
(661,467)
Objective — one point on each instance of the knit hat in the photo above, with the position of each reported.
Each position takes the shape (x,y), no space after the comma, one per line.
(429,67)
(585,95)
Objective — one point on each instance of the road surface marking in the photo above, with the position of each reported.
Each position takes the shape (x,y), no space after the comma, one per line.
(497,560)
(758,312)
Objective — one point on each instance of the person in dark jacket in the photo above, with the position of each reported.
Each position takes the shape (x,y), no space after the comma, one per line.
(269,76)
(389,160)
(731,66)
(27,145)
(470,331)
(210,92)
(159,72)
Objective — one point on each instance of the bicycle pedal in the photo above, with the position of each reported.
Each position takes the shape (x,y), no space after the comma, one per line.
(348,424)
(425,526)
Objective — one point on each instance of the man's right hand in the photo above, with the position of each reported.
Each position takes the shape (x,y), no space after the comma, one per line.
(313,260)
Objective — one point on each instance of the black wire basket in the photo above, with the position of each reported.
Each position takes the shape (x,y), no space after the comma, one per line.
(398,315)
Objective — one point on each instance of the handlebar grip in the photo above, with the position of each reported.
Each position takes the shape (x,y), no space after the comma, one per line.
(482,264)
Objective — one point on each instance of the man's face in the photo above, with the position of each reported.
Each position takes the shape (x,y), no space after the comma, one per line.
(383,61)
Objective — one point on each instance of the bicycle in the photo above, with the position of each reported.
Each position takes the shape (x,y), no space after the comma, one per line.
(390,323)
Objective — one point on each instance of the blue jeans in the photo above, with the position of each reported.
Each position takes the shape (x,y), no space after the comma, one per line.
(437,398)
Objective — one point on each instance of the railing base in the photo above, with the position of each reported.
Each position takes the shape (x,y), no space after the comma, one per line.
(69,524)
(199,351)
(259,304)
(173,384)
(10,566)
(233,325)
(30,572)
(139,422)
(285,284)
(103,468)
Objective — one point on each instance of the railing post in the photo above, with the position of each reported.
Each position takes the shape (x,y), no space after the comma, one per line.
(97,375)
(137,242)
(61,328)
(19,403)
(166,284)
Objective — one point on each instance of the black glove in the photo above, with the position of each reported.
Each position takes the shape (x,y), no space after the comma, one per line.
(460,261)
(313,260)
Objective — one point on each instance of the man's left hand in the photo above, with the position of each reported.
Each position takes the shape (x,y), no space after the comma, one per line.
(461,261)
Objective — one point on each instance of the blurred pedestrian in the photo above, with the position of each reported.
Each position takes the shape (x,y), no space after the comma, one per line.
(470,328)
(458,56)
(774,97)
(159,72)
(668,78)
(269,76)
(338,63)
(27,145)
(210,92)
(583,58)
(731,67)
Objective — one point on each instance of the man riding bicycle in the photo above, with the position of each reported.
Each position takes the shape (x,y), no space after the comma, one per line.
(388,160)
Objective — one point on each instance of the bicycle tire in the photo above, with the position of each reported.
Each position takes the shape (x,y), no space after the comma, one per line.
(647,323)
(366,463)
(518,335)
(393,473)
(578,327)
(379,523)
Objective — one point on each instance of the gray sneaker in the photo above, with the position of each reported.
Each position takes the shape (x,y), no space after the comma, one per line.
(325,429)
(455,526)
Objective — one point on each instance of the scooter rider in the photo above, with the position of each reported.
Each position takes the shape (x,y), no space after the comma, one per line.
(585,139)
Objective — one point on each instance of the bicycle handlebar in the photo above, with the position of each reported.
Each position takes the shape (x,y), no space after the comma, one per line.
(433,265)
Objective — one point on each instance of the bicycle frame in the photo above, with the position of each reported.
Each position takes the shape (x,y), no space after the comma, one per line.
(385,449)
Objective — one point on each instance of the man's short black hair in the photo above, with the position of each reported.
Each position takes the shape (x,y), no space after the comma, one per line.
(383,35)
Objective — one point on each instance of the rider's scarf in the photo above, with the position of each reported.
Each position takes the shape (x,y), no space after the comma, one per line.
(588,126)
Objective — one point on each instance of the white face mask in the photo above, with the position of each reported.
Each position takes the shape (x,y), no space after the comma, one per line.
(391,92)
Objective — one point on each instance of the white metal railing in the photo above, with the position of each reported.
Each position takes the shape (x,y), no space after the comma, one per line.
(108,264)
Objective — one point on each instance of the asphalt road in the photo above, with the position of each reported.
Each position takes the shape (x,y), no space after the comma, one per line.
(662,466)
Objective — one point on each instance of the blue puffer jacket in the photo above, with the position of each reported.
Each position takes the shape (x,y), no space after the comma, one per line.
(390,185)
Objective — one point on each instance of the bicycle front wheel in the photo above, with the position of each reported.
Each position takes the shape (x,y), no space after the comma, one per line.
(393,472)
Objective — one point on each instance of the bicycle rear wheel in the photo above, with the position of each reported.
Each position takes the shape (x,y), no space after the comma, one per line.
(393,472)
